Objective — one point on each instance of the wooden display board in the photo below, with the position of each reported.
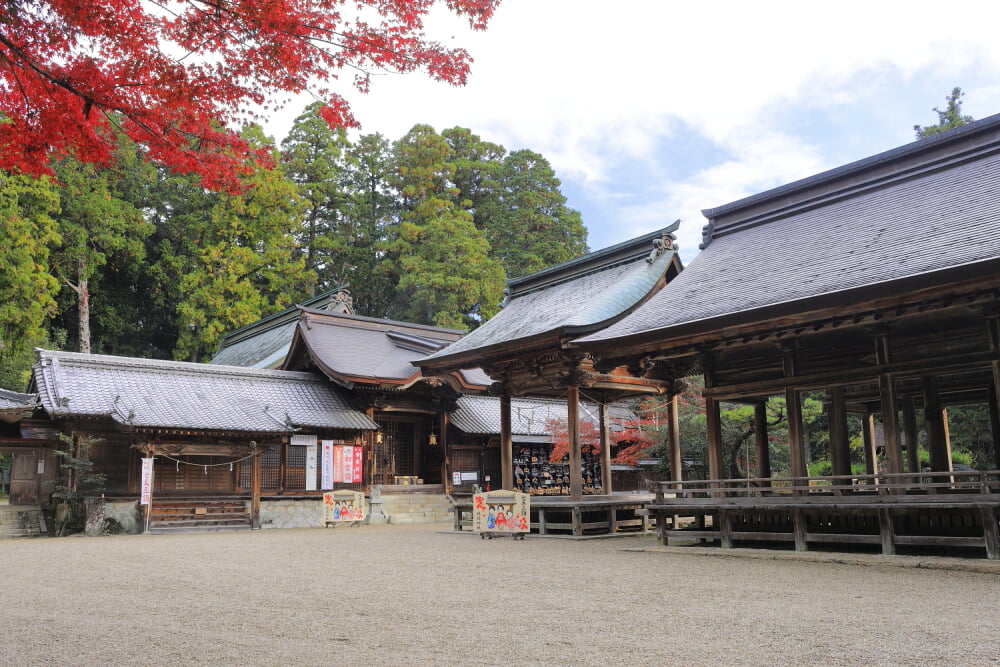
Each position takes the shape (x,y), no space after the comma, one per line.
(501,512)
(344,506)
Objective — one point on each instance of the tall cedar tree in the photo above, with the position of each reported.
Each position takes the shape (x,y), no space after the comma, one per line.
(172,74)
(246,265)
(439,261)
(27,288)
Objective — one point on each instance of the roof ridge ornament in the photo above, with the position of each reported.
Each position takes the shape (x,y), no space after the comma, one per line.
(663,244)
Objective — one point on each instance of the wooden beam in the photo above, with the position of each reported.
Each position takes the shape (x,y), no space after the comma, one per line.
(506,444)
(848,376)
(605,418)
(890,424)
(840,447)
(573,427)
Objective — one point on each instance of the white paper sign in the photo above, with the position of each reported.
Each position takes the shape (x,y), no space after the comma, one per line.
(146,482)
(327,461)
(311,467)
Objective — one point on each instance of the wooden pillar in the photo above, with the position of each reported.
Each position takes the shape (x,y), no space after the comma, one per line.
(255,489)
(713,422)
(868,436)
(796,439)
(890,424)
(445,451)
(506,444)
(840,446)
(761,443)
(887,532)
(282,466)
(936,419)
(995,420)
(674,440)
(910,434)
(573,428)
(606,486)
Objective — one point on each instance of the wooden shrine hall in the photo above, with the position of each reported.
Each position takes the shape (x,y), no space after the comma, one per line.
(874,287)
(525,350)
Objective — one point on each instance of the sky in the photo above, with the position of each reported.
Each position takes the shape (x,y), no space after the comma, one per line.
(653,110)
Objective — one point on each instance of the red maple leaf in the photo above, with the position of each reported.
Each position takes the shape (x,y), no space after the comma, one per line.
(178,75)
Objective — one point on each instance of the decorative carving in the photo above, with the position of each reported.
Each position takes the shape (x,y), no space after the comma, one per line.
(661,245)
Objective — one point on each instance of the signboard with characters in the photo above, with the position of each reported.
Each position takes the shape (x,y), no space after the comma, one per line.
(501,512)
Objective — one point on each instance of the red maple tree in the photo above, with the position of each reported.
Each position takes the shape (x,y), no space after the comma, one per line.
(176,75)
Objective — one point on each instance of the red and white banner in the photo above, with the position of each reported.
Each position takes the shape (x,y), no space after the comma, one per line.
(146,482)
(348,464)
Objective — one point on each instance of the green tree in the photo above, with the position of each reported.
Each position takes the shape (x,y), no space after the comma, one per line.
(528,223)
(372,208)
(27,288)
(313,155)
(950,118)
(246,264)
(439,261)
(97,227)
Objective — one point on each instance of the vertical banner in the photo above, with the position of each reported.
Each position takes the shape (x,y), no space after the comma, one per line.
(311,467)
(146,482)
(327,465)
(359,464)
(348,464)
(338,463)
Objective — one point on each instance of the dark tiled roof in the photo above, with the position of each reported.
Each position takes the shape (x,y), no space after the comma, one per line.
(528,417)
(264,343)
(569,298)
(925,223)
(356,348)
(12,400)
(171,394)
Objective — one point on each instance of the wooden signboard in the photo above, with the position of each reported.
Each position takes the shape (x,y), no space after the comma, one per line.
(344,506)
(501,512)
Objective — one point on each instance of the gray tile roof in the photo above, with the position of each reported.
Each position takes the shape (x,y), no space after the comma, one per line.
(528,417)
(12,400)
(359,348)
(570,298)
(151,393)
(935,219)
(265,343)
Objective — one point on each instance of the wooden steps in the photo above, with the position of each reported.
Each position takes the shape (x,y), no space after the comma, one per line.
(190,515)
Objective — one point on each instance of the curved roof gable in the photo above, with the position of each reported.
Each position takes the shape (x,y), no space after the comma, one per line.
(569,299)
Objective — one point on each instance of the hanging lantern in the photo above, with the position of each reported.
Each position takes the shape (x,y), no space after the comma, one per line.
(432,440)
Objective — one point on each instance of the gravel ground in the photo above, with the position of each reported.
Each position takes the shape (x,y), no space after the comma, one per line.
(411,595)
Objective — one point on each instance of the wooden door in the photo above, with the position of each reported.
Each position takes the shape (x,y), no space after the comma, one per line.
(24,479)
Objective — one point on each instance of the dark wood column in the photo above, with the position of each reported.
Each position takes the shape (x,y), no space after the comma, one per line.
(445,451)
(890,410)
(936,419)
(713,422)
(840,446)
(868,436)
(506,444)
(674,440)
(993,324)
(282,466)
(255,488)
(761,444)
(573,428)
(796,440)
(606,486)
(910,434)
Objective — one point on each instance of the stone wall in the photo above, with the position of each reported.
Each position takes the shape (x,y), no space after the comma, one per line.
(305,513)
(104,516)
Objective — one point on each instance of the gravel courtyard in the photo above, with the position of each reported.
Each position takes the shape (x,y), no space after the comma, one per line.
(411,595)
